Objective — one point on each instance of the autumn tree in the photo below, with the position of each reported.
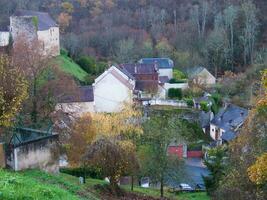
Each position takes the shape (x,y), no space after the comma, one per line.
(13,91)
(159,131)
(106,141)
(245,153)
(46,82)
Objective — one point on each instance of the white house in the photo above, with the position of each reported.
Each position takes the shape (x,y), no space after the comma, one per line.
(32,25)
(165,65)
(4,38)
(78,104)
(113,89)
(225,125)
(201,75)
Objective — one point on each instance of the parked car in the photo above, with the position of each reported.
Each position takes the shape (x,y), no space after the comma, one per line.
(185,187)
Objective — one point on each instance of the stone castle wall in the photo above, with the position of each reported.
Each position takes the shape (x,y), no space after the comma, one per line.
(22,26)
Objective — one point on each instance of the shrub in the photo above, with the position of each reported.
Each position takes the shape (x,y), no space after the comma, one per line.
(175,93)
(63,52)
(217,99)
(177,80)
(87,172)
(177,74)
(204,106)
(88,64)
(189,102)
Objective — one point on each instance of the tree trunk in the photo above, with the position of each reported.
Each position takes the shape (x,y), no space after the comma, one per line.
(132,182)
(161,187)
(34,103)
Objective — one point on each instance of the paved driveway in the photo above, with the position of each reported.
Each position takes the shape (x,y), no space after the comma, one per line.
(194,169)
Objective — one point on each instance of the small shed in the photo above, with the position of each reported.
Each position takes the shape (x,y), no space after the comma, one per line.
(31,148)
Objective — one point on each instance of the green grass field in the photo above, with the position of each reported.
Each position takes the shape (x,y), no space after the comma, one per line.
(69,66)
(37,185)
(16,186)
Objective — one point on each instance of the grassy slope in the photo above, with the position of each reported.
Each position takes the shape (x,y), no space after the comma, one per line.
(17,186)
(69,66)
(34,184)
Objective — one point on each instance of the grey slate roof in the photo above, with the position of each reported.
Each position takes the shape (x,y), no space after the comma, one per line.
(163,63)
(193,71)
(139,68)
(228,136)
(85,94)
(204,119)
(44,19)
(229,119)
(164,79)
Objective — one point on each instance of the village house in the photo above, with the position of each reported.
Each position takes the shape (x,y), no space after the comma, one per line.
(31,149)
(200,75)
(78,104)
(165,66)
(33,25)
(112,89)
(226,124)
(146,79)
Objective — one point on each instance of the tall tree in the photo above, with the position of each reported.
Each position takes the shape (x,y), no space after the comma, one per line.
(13,91)
(230,16)
(159,132)
(248,37)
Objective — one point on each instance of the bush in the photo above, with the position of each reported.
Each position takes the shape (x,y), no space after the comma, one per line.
(217,99)
(204,106)
(177,74)
(63,52)
(175,93)
(189,102)
(87,172)
(88,64)
(177,80)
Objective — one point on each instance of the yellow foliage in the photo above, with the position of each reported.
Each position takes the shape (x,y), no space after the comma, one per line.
(258,172)
(13,91)
(115,124)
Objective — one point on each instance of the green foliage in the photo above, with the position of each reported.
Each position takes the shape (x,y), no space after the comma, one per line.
(69,66)
(35,22)
(204,106)
(216,162)
(91,172)
(173,80)
(175,93)
(177,74)
(159,131)
(189,102)
(17,186)
(88,64)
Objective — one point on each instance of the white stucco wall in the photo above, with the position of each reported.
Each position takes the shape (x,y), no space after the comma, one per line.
(4,38)
(166,72)
(50,41)
(213,129)
(76,109)
(205,77)
(110,94)
(163,90)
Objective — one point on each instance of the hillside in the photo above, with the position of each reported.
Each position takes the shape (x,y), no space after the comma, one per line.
(19,186)
(34,184)
(69,66)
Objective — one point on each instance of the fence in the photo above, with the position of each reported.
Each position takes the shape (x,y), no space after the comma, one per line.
(162,102)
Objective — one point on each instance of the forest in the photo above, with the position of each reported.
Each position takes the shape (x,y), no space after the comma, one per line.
(220,35)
